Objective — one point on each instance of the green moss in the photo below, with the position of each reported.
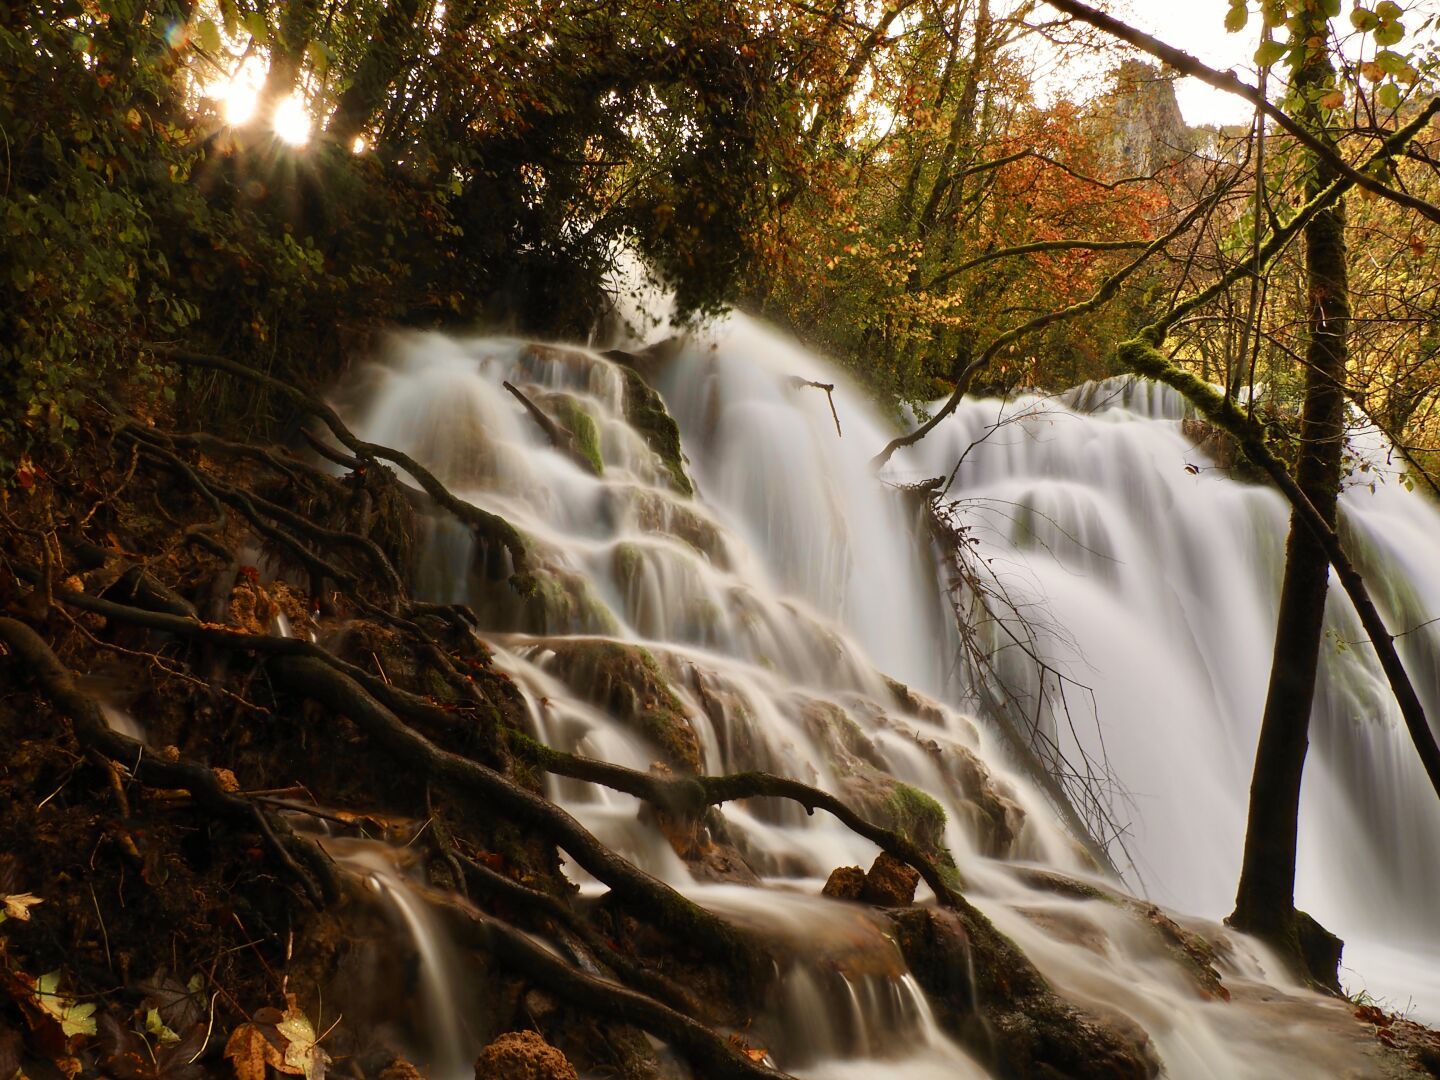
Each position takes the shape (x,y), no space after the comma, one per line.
(626,562)
(625,681)
(655,511)
(646,414)
(563,603)
(917,816)
(573,417)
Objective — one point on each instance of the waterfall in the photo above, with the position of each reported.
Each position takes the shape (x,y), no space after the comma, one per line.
(1158,575)
(790,615)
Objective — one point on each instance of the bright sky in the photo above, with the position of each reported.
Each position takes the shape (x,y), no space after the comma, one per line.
(1198,27)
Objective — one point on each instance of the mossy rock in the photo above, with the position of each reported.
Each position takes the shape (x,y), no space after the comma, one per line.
(571,415)
(992,999)
(654,511)
(563,602)
(646,413)
(916,816)
(625,681)
(627,561)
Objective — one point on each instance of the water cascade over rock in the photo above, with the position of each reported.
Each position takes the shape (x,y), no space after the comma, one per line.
(751,596)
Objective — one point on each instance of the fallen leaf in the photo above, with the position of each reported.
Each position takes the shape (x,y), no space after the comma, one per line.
(302,1054)
(74,1018)
(18,905)
(156,1027)
(250,1051)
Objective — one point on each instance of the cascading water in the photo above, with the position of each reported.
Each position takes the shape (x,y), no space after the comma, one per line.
(763,623)
(1164,575)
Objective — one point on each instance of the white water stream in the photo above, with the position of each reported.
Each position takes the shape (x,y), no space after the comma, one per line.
(778,600)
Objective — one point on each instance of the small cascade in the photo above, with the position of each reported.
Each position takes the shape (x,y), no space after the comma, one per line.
(788,615)
(448,1049)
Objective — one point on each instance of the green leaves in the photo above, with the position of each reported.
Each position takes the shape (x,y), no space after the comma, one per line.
(1270,52)
(1389,33)
(1383,22)
(74,1018)
(1363,19)
(1237,16)
(254,23)
(207,34)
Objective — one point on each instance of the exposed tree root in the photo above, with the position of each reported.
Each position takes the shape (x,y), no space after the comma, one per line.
(710,1053)
(470,782)
(40,663)
(487,526)
(425,711)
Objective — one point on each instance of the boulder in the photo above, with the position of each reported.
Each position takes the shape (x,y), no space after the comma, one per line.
(890,882)
(523,1055)
(845,883)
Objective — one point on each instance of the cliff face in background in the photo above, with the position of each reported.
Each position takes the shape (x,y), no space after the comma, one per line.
(1139,124)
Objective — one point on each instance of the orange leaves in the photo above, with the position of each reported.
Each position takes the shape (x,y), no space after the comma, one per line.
(286,1042)
(755,1054)
(250,1051)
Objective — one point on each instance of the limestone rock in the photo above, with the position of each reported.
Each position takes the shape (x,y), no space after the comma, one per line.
(890,883)
(523,1055)
(845,883)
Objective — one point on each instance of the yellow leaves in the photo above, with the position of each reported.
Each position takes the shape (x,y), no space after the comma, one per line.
(155,1026)
(250,1051)
(303,1054)
(17,906)
(73,1017)
(752,1053)
(289,1045)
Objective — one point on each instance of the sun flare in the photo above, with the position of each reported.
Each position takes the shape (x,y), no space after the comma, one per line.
(291,122)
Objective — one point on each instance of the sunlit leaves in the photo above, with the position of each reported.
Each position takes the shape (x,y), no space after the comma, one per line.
(207,35)
(1270,52)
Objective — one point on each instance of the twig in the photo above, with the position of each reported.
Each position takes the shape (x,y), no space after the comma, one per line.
(829,388)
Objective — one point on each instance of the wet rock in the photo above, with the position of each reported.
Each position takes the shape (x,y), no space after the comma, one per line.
(555,600)
(706,846)
(400,1069)
(890,882)
(937,948)
(914,703)
(844,883)
(646,414)
(1194,954)
(523,1055)
(625,681)
(986,995)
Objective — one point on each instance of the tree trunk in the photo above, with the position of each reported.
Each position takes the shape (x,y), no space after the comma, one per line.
(388,55)
(287,53)
(1265,899)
